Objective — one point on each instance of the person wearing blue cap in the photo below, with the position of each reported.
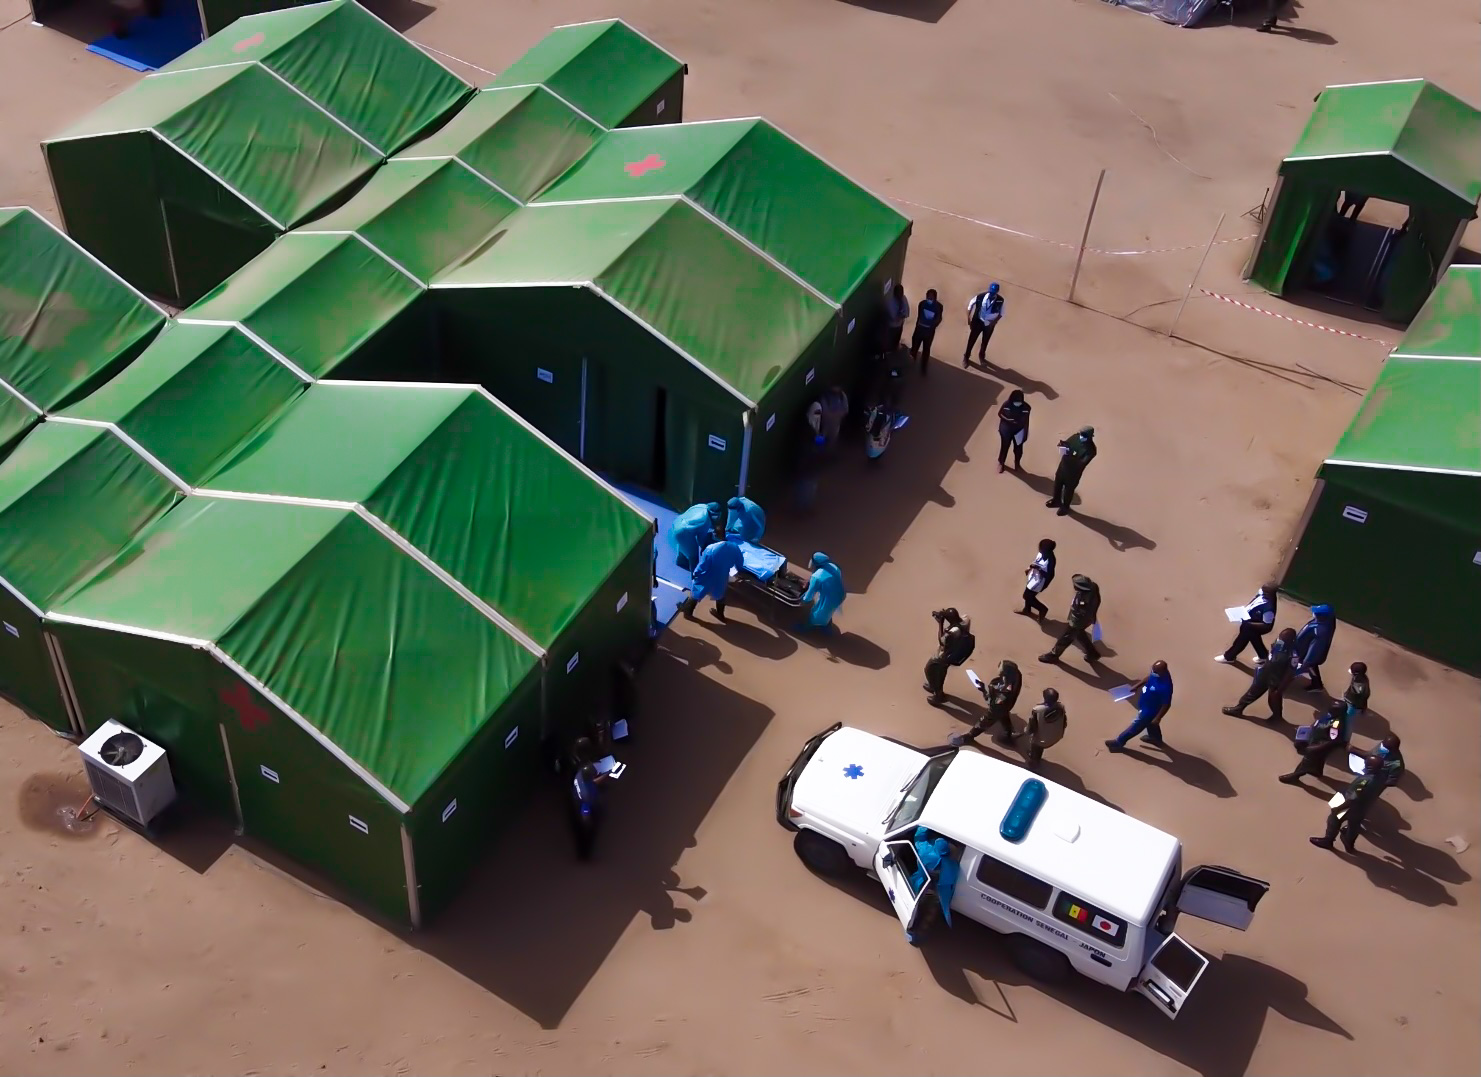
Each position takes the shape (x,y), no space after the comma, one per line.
(825,592)
(712,575)
(746,519)
(694,529)
(984,311)
(1313,644)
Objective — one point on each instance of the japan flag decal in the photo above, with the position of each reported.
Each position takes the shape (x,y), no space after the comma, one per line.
(1101,924)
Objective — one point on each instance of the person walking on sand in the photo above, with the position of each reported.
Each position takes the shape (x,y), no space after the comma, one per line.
(984,311)
(1313,644)
(1153,701)
(1358,798)
(1270,679)
(1037,578)
(1326,736)
(1259,619)
(1013,429)
(1084,609)
(1075,454)
(928,315)
(1046,727)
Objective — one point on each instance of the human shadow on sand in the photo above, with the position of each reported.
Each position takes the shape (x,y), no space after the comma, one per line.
(864,507)
(533,924)
(759,639)
(1029,385)
(923,11)
(1193,770)
(1216,1032)
(1120,537)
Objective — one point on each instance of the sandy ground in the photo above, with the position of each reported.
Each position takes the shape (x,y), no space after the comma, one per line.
(698,944)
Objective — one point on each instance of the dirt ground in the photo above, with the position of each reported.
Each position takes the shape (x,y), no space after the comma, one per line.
(698,943)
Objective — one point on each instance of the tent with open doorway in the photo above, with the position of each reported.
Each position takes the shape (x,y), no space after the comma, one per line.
(67,323)
(71,498)
(246,136)
(615,75)
(1392,534)
(1407,142)
(644,338)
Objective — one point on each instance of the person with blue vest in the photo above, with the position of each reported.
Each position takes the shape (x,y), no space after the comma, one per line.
(746,519)
(984,311)
(1153,701)
(1259,620)
(928,315)
(712,575)
(825,592)
(694,529)
(1313,644)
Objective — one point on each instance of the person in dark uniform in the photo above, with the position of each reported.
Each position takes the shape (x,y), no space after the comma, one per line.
(1001,694)
(1270,679)
(583,794)
(896,310)
(1392,769)
(1037,578)
(928,315)
(1259,619)
(1328,734)
(984,311)
(1359,692)
(954,645)
(1046,727)
(1012,429)
(1076,452)
(1357,799)
(1084,609)
(1272,12)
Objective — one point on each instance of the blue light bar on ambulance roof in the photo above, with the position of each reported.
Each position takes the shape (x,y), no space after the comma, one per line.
(1024,810)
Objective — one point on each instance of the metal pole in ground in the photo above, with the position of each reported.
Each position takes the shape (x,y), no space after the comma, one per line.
(1085,236)
(1194,279)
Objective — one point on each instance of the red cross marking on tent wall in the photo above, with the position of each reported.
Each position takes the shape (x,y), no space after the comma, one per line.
(651,163)
(249,42)
(239,699)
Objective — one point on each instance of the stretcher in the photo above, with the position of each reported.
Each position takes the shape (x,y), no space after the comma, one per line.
(765,580)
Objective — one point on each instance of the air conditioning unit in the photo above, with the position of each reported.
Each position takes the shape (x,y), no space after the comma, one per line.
(128,774)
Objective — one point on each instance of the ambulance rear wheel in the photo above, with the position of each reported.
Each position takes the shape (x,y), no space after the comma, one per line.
(1037,960)
(822,855)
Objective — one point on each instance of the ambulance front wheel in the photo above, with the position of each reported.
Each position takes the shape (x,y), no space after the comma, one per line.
(822,855)
(1037,960)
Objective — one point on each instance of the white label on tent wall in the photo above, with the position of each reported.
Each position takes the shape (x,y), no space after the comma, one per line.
(513,736)
(548,377)
(889,286)
(575,658)
(269,773)
(13,630)
(659,110)
(851,322)
(447,812)
(717,443)
(360,825)
(811,374)
(622,602)
(1355,514)
(771,421)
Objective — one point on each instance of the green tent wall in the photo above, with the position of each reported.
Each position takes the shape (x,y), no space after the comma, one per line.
(1408,142)
(1392,534)
(67,322)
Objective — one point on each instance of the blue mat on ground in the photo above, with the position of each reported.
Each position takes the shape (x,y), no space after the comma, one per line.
(154,42)
(665,597)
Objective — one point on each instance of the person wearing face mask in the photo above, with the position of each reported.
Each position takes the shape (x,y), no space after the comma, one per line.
(928,315)
(984,311)
(1013,429)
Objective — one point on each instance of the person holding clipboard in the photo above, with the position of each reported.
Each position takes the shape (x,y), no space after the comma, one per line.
(1013,429)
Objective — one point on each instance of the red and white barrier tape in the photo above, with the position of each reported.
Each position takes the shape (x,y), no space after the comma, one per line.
(1297,321)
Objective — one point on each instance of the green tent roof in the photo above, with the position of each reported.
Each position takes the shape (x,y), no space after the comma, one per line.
(66,322)
(1419,126)
(425,215)
(263,140)
(522,526)
(316,298)
(720,302)
(194,395)
(345,60)
(801,211)
(517,138)
(367,646)
(606,68)
(71,497)
(1448,326)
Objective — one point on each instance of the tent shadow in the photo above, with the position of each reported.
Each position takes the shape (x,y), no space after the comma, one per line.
(863,508)
(925,11)
(1215,1035)
(539,954)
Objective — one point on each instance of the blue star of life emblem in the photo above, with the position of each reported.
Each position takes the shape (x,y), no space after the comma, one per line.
(853,770)
(891,896)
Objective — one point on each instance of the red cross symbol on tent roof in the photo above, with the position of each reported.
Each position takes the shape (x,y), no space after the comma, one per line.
(239,699)
(651,163)
(249,42)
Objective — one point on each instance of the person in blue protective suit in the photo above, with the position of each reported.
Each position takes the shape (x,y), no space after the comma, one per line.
(694,529)
(935,861)
(825,592)
(746,519)
(1313,644)
(712,575)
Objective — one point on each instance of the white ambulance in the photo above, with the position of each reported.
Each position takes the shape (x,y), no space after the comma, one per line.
(1073,883)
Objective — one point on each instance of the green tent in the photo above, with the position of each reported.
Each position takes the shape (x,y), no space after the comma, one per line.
(612,73)
(194,395)
(67,323)
(243,138)
(72,496)
(313,677)
(324,302)
(1408,142)
(1392,534)
(646,339)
